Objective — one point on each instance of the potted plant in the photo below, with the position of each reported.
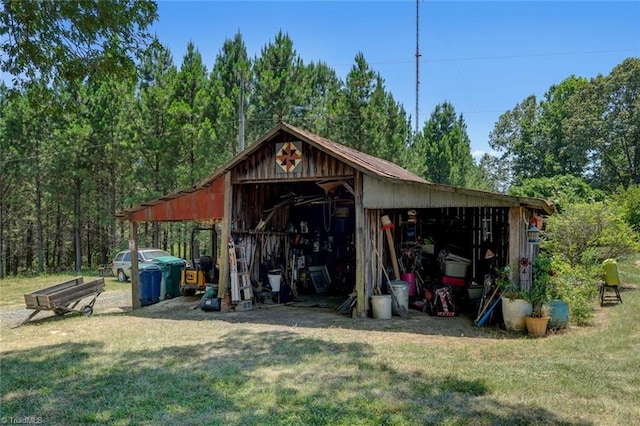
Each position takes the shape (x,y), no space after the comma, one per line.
(515,306)
(557,308)
(538,296)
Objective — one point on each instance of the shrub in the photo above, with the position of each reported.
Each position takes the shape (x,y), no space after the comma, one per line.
(588,233)
(562,190)
(629,202)
(577,286)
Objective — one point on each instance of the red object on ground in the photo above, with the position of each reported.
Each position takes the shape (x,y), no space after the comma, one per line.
(453,281)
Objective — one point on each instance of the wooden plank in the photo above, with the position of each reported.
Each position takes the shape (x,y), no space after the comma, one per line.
(58,287)
(79,294)
(31,301)
(76,293)
(516,240)
(43,301)
(76,298)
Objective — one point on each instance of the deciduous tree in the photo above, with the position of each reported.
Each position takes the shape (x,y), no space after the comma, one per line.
(72,39)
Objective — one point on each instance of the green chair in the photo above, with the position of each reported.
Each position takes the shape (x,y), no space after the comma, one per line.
(610,283)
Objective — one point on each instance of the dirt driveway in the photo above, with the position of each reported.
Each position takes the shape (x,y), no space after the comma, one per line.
(308,311)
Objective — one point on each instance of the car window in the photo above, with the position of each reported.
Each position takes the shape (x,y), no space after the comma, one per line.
(127,257)
(119,257)
(152,254)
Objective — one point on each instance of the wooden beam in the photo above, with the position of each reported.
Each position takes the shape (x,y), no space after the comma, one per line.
(361,248)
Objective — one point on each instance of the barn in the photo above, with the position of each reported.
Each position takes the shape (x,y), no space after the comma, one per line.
(323,216)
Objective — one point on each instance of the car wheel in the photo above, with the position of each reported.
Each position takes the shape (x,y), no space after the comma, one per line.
(121,276)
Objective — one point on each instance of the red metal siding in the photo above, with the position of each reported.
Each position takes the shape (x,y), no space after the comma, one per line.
(206,203)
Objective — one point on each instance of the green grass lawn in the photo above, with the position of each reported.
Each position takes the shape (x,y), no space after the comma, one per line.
(138,368)
(629,268)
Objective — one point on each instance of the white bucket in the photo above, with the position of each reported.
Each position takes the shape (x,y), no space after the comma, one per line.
(274,281)
(401,291)
(381,306)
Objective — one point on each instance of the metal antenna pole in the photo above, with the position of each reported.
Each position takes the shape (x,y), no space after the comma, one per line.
(417,63)
(241,118)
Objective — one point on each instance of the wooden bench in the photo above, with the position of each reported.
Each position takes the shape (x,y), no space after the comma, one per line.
(104,270)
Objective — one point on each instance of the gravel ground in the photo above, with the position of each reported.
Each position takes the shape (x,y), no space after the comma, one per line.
(110,301)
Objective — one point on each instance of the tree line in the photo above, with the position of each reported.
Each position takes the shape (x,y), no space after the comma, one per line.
(78,147)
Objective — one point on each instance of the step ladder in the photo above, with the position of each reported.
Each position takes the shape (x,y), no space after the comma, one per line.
(241,288)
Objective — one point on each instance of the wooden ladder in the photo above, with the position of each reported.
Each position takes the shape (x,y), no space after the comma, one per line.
(241,288)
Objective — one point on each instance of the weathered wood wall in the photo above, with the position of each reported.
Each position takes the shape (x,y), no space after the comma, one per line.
(261,165)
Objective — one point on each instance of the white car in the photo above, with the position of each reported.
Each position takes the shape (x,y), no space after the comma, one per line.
(121,265)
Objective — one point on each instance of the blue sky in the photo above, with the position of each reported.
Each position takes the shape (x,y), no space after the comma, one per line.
(483,57)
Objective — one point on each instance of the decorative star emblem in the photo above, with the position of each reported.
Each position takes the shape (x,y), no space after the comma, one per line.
(288,157)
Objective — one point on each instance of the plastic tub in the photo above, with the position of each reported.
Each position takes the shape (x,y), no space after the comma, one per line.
(459,282)
(455,269)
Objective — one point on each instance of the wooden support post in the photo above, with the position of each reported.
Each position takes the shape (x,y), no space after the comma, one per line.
(517,240)
(135,282)
(226,233)
(362,296)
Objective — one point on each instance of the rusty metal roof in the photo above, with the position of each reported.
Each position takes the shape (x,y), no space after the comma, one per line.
(359,160)
(356,159)
(198,202)
(184,204)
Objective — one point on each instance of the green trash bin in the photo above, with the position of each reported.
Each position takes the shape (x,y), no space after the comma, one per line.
(171,274)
